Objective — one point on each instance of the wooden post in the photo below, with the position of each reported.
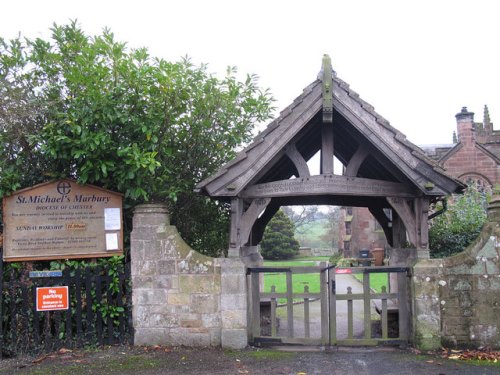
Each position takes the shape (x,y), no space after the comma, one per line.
(255,305)
(306,313)
(289,303)
(234,233)
(403,308)
(384,314)
(367,305)
(333,307)
(324,305)
(350,314)
(273,313)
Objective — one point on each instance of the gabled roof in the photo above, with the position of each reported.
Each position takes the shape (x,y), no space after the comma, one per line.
(355,123)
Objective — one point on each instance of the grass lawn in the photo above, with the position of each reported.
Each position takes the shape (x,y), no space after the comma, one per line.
(312,280)
(377,280)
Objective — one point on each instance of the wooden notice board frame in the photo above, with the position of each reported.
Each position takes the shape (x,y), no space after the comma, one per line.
(61,220)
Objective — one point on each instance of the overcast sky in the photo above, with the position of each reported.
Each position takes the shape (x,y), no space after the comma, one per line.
(417,62)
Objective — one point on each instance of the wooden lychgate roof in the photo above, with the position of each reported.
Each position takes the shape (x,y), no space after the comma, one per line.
(378,159)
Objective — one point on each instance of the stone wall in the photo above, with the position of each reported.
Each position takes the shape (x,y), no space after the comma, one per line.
(179,296)
(457,299)
(314,252)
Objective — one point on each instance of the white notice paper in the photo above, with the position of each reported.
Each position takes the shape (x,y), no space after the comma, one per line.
(112,219)
(112,241)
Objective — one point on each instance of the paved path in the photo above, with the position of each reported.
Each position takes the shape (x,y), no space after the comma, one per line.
(342,282)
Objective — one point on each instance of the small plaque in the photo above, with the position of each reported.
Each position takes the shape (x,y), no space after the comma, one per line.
(35,274)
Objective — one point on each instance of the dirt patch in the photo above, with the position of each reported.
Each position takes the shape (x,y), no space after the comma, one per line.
(287,361)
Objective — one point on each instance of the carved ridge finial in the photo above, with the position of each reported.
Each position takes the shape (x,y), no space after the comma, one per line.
(327,78)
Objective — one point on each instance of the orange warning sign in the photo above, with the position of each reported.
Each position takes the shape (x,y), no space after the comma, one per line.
(52,298)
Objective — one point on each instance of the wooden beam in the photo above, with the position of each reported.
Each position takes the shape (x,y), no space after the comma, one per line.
(422,209)
(406,214)
(249,217)
(234,231)
(261,223)
(379,214)
(356,161)
(329,185)
(298,160)
(327,149)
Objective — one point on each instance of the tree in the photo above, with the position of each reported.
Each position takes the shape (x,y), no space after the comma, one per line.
(332,226)
(460,224)
(278,241)
(300,215)
(90,109)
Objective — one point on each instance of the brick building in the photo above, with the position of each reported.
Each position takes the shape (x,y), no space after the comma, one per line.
(474,156)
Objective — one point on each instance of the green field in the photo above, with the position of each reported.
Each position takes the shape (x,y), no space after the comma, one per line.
(312,234)
(377,280)
(299,281)
(312,280)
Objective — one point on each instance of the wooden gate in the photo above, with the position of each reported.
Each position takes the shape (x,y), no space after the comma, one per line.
(328,306)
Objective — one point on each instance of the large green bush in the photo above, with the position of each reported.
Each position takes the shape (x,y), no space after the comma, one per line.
(90,108)
(279,242)
(454,230)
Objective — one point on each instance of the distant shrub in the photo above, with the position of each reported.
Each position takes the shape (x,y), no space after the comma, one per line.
(460,224)
(279,242)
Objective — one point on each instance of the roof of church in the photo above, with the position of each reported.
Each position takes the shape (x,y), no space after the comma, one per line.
(355,122)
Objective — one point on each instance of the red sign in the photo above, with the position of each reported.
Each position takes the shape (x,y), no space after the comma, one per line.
(343,270)
(52,298)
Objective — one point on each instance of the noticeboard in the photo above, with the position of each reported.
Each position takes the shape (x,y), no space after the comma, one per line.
(62,220)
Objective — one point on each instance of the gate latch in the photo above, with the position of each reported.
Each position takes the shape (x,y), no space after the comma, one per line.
(333,287)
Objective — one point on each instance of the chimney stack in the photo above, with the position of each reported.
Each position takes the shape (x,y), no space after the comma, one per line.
(465,126)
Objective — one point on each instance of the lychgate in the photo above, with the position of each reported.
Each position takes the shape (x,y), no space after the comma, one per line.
(381,170)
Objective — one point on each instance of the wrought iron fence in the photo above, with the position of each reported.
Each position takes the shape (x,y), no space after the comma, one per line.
(99,309)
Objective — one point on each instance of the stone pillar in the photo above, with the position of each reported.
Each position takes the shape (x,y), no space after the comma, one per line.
(233,303)
(149,288)
(426,314)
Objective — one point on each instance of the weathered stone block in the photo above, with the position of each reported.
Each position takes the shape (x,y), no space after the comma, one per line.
(178,298)
(182,336)
(151,336)
(167,250)
(163,321)
(199,284)
(233,301)
(149,296)
(211,320)
(233,283)
(140,316)
(143,268)
(234,319)
(234,338)
(486,335)
(461,283)
(166,267)
(204,303)
(142,282)
(165,282)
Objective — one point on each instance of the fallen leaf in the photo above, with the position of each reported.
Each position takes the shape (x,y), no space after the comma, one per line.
(64,351)
(40,359)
